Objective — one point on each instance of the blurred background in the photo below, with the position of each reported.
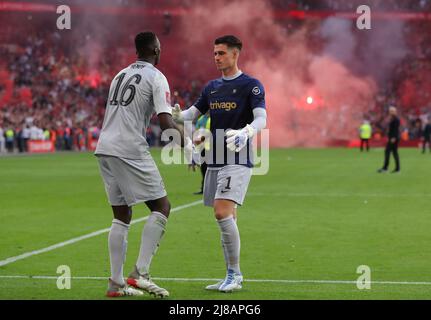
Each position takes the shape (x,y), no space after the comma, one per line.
(323,76)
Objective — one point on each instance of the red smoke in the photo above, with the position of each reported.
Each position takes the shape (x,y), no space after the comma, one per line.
(93,79)
(415,89)
(287,67)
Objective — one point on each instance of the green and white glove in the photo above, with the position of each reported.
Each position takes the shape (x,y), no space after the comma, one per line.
(176,113)
(192,153)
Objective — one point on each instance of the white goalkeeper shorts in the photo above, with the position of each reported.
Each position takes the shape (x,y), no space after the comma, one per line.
(229,182)
(129,182)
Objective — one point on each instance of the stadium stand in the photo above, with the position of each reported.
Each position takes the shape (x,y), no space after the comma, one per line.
(57,88)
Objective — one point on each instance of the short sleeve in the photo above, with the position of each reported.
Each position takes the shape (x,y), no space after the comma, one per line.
(202,103)
(161,94)
(257,95)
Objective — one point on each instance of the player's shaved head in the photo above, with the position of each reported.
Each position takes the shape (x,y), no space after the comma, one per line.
(230,41)
(147,46)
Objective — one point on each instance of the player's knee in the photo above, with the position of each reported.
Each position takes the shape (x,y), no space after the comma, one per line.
(165,208)
(168,208)
(223,209)
(161,205)
(122,213)
(124,218)
(221,212)
(219,215)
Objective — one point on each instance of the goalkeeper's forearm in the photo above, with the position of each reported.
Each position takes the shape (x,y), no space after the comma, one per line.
(190,114)
(259,121)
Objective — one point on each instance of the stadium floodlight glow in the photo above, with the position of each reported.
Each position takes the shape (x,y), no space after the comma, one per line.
(309,100)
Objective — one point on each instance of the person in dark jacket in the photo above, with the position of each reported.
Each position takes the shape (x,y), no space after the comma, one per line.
(426,136)
(393,141)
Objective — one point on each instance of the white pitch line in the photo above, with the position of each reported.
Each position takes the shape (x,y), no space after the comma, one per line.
(283,281)
(86,236)
(336,195)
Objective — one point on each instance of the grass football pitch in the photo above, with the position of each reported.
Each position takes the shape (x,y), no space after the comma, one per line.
(305,228)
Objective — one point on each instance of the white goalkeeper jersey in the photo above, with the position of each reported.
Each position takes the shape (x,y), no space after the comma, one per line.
(136,93)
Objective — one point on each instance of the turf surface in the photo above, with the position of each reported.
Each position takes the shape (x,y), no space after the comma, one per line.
(317,215)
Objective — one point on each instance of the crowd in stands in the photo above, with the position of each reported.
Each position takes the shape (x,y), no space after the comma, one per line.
(409,88)
(43,97)
(351,5)
(49,92)
(48,95)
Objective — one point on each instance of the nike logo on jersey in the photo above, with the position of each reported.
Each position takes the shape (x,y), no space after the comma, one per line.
(212,92)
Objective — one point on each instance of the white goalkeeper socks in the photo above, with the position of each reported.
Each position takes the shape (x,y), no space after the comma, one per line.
(230,242)
(224,247)
(117,242)
(151,236)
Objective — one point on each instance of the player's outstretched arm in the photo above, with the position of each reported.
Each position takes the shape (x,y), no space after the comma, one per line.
(187,115)
(166,122)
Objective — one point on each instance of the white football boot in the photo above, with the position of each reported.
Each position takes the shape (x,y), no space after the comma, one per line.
(145,283)
(116,290)
(215,286)
(232,282)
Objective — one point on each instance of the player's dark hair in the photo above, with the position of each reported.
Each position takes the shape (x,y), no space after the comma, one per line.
(229,40)
(145,42)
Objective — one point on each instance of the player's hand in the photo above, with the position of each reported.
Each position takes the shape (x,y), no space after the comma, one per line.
(393,140)
(192,166)
(197,155)
(188,150)
(192,153)
(176,113)
(237,139)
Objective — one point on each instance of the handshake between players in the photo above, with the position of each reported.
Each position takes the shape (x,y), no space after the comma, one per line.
(236,106)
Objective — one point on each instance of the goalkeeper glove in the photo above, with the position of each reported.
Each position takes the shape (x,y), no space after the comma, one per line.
(237,139)
(192,153)
(176,113)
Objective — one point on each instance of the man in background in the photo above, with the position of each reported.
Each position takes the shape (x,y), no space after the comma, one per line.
(393,141)
(365,132)
(202,124)
(426,136)
(25,136)
(10,139)
(2,139)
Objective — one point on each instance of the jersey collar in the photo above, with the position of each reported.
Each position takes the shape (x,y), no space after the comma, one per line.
(236,75)
(142,62)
